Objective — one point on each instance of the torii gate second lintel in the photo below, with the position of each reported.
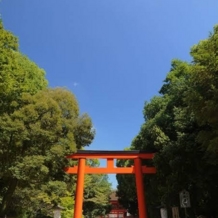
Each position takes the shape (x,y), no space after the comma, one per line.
(137,169)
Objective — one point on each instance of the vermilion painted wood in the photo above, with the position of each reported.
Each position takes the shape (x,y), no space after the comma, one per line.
(79,189)
(118,170)
(140,188)
(137,169)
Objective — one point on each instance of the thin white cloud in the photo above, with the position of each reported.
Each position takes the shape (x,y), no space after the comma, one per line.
(75,84)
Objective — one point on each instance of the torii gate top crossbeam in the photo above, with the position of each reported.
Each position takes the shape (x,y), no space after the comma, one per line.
(110,156)
(96,154)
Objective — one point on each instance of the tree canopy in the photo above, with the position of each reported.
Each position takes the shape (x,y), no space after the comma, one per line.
(39,127)
(181,127)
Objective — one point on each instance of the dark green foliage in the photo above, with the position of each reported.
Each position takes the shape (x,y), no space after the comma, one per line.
(203,93)
(181,127)
(96,195)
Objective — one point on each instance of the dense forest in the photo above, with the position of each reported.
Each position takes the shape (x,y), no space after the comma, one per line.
(181,127)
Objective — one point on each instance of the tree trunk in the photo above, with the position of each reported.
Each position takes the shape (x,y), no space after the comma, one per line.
(7,197)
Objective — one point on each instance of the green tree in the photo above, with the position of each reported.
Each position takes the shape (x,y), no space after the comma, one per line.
(36,139)
(68,204)
(202,96)
(18,74)
(39,126)
(172,129)
(96,194)
(126,187)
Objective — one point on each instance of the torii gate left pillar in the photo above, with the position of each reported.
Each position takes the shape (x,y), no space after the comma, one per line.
(137,169)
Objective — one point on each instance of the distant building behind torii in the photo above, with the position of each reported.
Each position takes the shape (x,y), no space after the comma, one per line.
(117,211)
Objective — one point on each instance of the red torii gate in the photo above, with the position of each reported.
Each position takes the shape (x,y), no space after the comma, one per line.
(137,169)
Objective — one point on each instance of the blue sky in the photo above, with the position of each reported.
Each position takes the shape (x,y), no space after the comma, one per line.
(112,54)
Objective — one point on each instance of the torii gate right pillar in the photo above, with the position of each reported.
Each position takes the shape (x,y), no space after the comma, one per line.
(140,188)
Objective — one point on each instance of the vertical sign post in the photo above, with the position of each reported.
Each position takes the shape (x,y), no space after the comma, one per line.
(185,200)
